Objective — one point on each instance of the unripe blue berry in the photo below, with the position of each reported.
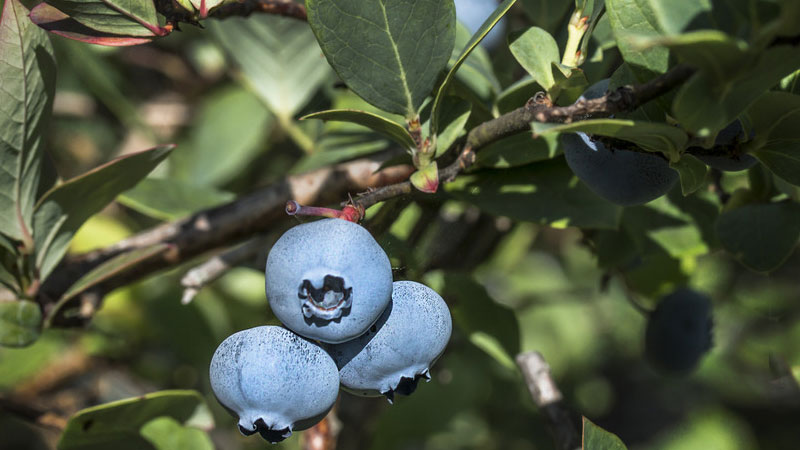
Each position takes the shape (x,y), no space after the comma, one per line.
(274,381)
(620,176)
(328,280)
(679,331)
(400,348)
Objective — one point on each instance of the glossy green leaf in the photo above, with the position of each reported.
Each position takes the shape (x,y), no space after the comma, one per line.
(636,17)
(651,136)
(596,438)
(119,17)
(389,52)
(27,84)
(20,322)
(63,209)
(229,132)
(277,57)
(704,106)
(783,159)
(517,95)
(379,124)
(487,26)
(536,50)
(165,433)
(518,150)
(118,424)
(760,236)
(545,192)
(494,327)
(692,173)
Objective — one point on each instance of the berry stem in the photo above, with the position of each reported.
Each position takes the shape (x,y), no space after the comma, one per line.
(350,213)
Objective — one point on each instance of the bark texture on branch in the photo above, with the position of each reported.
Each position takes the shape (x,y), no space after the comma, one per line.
(548,398)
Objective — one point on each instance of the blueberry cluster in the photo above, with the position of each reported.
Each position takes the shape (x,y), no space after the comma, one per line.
(349,325)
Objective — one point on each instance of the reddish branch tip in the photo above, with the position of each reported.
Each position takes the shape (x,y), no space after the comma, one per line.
(349,212)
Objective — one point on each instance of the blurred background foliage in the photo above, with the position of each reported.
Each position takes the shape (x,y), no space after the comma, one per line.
(230,96)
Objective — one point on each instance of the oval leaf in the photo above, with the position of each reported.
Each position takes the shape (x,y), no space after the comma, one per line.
(56,22)
(63,209)
(27,86)
(760,236)
(379,124)
(117,424)
(536,50)
(389,52)
(692,172)
(783,159)
(120,17)
(19,323)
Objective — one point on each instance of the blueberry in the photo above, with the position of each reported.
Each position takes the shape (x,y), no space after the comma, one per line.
(679,331)
(400,348)
(472,13)
(732,136)
(274,381)
(620,176)
(328,280)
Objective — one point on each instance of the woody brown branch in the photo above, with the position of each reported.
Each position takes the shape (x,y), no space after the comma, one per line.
(258,211)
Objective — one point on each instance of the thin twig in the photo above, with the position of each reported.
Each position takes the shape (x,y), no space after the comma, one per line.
(207,272)
(548,398)
(625,98)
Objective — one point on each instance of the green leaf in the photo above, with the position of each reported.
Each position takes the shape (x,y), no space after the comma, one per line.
(379,124)
(674,15)
(230,131)
(704,106)
(170,199)
(518,150)
(277,56)
(760,236)
(636,17)
(118,424)
(775,116)
(20,320)
(487,26)
(783,159)
(490,326)
(536,51)
(596,438)
(28,74)
(56,22)
(110,268)
(692,172)
(651,136)
(545,192)
(476,73)
(516,95)
(712,51)
(389,52)
(165,433)
(63,209)
(118,17)
(454,114)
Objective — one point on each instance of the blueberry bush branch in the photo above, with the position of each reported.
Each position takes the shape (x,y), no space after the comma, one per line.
(230,223)
(548,399)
